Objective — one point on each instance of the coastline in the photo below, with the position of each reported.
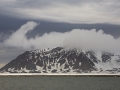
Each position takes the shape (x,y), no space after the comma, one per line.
(77,75)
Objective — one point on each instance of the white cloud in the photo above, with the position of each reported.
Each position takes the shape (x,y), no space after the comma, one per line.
(77,38)
(19,38)
(79,11)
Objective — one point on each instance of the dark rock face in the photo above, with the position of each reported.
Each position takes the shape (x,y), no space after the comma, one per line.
(62,60)
(92,56)
(53,60)
(106,57)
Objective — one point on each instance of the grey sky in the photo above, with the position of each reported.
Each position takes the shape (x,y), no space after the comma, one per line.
(77,11)
(46,26)
(58,16)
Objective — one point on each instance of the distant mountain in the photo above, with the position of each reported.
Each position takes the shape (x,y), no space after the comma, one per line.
(63,60)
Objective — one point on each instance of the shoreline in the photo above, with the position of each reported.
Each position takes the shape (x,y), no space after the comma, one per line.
(36,74)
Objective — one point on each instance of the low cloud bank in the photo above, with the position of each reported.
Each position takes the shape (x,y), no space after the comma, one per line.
(76,38)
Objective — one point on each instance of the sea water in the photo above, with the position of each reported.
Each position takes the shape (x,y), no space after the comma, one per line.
(59,83)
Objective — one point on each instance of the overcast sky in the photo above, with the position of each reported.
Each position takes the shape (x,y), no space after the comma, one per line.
(28,24)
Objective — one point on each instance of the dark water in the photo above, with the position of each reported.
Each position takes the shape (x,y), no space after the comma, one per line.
(59,83)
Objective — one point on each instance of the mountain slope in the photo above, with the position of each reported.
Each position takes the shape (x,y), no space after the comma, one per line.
(63,60)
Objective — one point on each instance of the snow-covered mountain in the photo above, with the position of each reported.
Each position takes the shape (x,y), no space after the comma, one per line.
(63,60)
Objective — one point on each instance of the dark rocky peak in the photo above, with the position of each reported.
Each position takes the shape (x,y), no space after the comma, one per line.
(61,60)
(106,57)
(54,59)
(92,55)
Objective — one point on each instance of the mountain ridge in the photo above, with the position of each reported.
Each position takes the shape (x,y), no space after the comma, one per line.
(63,60)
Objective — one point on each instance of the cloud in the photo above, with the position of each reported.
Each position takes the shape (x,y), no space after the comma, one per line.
(77,11)
(3,36)
(19,38)
(76,38)
(92,40)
